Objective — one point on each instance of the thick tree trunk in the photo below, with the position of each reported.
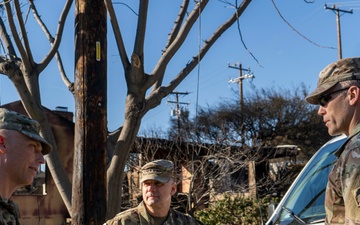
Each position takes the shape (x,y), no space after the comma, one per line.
(123,147)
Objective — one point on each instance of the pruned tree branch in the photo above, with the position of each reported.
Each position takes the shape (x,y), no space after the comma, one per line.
(161,92)
(55,42)
(158,71)
(6,42)
(177,24)
(15,35)
(118,37)
(29,60)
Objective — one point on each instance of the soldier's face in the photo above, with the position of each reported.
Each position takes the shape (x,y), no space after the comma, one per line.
(157,194)
(337,112)
(22,156)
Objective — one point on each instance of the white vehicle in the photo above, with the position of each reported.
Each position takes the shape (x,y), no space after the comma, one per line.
(303,203)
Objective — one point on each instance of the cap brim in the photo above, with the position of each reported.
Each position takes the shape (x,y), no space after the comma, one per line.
(46,147)
(313,98)
(155,177)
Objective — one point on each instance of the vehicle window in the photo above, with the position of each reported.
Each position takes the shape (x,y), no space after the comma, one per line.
(306,200)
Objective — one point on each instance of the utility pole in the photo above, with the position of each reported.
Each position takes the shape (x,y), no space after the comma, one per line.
(177,108)
(337,12)
(89,178)
(240,79)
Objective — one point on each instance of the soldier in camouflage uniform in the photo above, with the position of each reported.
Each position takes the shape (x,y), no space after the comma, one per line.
(21,153)
(158,186)
(338,94)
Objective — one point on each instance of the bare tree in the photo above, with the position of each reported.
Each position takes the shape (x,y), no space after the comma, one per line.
(139,100)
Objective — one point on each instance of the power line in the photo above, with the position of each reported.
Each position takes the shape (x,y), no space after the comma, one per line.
(282,17)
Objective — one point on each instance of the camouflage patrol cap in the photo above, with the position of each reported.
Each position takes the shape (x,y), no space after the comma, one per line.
(160,170)
(11,120)
(342,70)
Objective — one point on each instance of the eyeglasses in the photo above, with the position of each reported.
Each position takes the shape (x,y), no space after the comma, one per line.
(325,99)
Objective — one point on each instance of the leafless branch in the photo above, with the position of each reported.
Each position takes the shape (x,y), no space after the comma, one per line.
(51,39)
(163,91)
(6,42)
(157,73)
(29,60)
(55,42)
(15,34)
(178,22)
(119,40)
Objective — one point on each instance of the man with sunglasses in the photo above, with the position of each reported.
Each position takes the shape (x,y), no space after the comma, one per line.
(338,96)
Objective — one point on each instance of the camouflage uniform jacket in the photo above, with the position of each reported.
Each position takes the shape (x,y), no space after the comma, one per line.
(9,212)
(342,198)
(139,216)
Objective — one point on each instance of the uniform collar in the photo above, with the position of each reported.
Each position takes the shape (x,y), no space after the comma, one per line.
(145,217)
(354,132)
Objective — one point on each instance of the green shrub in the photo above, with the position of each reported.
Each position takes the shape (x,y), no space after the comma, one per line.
(234,211)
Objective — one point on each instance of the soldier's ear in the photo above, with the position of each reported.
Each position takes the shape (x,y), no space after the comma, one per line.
(173,189)
(354,95)
(2,145)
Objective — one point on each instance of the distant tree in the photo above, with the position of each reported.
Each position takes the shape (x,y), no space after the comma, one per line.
(205,171)
(270,116)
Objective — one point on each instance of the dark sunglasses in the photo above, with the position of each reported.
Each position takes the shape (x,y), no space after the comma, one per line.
(324,99)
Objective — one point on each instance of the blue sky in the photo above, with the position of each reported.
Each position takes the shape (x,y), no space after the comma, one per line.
(285,59)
